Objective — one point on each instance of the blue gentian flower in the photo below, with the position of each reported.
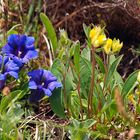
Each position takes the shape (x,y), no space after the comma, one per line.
(7,67)
(20,48)
(42,82)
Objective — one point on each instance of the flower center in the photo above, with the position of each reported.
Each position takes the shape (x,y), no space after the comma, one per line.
(19,53)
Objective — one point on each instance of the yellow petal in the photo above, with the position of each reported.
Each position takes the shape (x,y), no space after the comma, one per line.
(102,39)
(94,33)
(107,46)
(116,46)
(99,41)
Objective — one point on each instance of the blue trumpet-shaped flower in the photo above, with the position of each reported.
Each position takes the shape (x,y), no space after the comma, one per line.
(42,82)
(20,48)
(7,67)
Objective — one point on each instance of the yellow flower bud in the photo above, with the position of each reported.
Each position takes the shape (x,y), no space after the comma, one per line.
(138,78)
(116,46)
(99,41)
(107,46)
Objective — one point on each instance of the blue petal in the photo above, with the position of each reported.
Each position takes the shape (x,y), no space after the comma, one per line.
(11,66)
(17,60)
(16,43)
(2,77)
(48,76)
(14,74)
(7,49)
(30,55)
(47,92)
(54,85)
(1,60)
(32,85)
(6,59)
(36,75)
(12,39)
(30,42)
(20,41)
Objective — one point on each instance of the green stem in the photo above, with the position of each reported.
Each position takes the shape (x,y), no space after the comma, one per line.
(78,89)
(90,96)
(106,64)
(65,94)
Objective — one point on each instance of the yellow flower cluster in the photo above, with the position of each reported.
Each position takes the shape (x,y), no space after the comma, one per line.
(112,46)
(98,38)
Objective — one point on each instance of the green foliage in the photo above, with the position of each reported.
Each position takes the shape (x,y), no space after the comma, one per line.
(100,63)
(80,130)
(130,84)
(112,69)
(12,30)
(10,115)
(56,103)
(50,31)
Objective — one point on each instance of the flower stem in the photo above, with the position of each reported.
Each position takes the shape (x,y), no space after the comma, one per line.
(106,64)
(65,94)
(78,89)
(90,96)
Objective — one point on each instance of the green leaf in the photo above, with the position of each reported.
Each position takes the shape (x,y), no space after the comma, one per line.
(85,74)
(100,63)
(112,58)
(50,30)
(8,100)
(74,101)
(86,30)
(12,30)
(112,69)
(105,107)
(86,53)
(118,78)
(80,130)
(77,57)
(56,103)
(57,69)
(129,84)
(88,123)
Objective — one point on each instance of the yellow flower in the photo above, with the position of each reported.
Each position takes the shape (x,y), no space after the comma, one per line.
(116,46)
(107,46)
(138,78)
(97,36)
(95,32)
(99,41)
